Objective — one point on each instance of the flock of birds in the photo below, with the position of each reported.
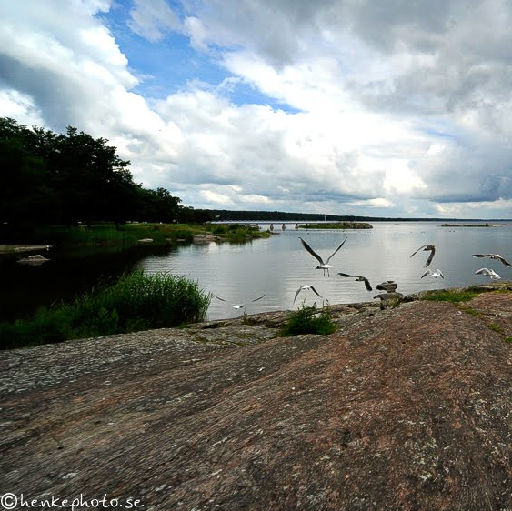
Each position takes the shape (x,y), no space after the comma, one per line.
(325,266)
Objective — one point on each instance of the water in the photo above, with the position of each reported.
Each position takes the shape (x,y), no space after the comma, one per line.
(275,267)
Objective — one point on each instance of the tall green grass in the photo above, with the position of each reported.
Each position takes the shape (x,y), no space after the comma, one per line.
(308,320)
(135,302)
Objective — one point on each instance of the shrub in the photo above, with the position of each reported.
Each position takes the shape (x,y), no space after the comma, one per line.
(307,320)
(135,302)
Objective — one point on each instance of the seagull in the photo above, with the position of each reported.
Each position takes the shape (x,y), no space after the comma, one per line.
(239,305)
(359,278)
(432,249)
(489,272)
(433,273)
(324,266)
(301,288)
(494,256)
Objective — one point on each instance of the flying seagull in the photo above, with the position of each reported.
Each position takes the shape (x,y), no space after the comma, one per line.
(302,288)
(359,278)
(239,305)
(433,273)
(494,256)
(323,266)
(489,272)
(432,249)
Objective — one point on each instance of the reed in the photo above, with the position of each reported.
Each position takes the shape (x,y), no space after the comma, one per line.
(135,302)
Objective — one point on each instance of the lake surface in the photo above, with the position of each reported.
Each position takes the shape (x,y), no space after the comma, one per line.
(277,266)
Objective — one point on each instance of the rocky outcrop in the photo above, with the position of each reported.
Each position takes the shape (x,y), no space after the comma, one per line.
(404,408)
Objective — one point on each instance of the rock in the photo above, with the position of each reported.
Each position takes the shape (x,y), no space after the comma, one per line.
(404,408)
(145,240)
(33,260)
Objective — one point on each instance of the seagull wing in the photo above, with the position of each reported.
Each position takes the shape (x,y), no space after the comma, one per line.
(314,291)
(427,273)
(494,256)
(219,298)
(344,275)
(431,256)
(334,253)
(311,251)
(259,298)
(482,271)
(297,293)
(422,246)
(502,259)
(366,282)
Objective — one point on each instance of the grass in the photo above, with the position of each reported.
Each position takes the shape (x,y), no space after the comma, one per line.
(307,320)
(237,232)
(107,235)
(447,295)
(135,302)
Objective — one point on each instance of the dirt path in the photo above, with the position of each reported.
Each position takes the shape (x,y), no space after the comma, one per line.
(409,408)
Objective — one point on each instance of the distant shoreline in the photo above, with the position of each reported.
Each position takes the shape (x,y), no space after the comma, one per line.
(468,225)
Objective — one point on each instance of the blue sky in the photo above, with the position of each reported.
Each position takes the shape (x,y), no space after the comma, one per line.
(333,107)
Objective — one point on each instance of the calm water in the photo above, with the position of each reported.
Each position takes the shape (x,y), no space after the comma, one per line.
(275,267)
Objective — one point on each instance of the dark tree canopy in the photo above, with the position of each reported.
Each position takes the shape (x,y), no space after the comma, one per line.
(50,178)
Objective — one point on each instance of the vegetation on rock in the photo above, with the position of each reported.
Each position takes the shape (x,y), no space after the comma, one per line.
(308,320)
(135,302)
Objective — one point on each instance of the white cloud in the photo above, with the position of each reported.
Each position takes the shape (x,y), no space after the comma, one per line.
(152,18)
(402,107)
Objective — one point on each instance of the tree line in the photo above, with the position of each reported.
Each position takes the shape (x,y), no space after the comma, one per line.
(51,178)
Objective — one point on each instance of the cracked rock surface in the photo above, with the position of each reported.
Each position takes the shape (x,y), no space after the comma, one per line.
(405,408)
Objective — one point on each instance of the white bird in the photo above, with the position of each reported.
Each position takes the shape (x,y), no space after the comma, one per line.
(494,256)
(488,272)
(305,287)
(359,278)
(432,249)
(433,273)
(239,305)
(323,266)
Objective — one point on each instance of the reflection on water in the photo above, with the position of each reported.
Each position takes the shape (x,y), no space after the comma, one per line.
(275,267)
(279,265)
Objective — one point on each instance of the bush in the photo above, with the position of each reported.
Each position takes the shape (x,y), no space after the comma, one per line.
(307,320)
(135,302)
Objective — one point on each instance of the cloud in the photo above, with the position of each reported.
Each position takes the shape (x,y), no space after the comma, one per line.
(152,18)
(401,108)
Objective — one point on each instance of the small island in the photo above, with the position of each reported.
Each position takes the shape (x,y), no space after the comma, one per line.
(337,225)
(468,225)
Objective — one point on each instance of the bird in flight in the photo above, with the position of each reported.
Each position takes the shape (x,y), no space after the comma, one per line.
(239,305)
(433,273)
(494,256)
(323,266)
(489,272)
(359,278)
(432,249)
(302,288)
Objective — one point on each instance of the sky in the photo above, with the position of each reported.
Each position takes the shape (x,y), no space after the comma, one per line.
(395,108)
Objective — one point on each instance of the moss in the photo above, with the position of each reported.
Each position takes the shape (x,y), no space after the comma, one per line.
(447,295)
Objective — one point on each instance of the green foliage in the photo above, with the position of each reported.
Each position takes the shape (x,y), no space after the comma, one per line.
(447,295)
(135,302)
(49,178)
(308,320)
(496,328)
(508,339)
